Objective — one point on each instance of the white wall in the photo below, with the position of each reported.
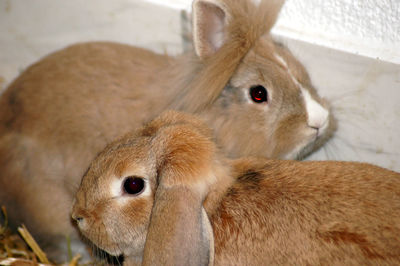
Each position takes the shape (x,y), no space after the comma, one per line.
(364,27)
(337,40)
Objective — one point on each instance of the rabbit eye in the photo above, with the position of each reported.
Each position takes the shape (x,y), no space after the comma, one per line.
(134,185)
(258,94)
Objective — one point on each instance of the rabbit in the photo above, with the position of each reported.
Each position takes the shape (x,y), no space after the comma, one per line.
(166,195)
(61,111)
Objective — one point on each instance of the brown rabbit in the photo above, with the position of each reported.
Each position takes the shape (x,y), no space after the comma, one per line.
(144,196)
(58,114)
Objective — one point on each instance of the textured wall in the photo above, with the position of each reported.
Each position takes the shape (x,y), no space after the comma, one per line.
(365,27)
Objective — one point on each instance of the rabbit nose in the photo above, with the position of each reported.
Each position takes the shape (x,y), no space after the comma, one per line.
(319,124)
(78,219)
(318,116)
(78,215)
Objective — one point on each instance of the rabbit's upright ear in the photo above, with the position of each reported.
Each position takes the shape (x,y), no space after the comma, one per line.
(179,231)
(217,22)
(209,26)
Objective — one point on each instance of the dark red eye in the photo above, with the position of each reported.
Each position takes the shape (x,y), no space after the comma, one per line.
(134,185)
(258,94)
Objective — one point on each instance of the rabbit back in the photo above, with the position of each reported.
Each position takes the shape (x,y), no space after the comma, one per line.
(309,213)
(71,91)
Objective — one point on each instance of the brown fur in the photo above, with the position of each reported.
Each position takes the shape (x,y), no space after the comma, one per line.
(262,211)
(60,112)
(309,213)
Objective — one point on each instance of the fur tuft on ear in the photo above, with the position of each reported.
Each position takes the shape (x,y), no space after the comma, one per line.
(223,33)
(170,117)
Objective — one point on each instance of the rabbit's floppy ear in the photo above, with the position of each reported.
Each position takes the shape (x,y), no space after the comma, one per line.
(179,231)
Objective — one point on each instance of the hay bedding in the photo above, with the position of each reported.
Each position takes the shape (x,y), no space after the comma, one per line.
(20,249)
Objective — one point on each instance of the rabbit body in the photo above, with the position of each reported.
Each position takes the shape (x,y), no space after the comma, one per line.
(60,112)
(308,213)
(261,211)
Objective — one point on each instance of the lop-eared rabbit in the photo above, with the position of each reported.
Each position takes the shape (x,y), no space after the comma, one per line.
(60,112)
(165,195)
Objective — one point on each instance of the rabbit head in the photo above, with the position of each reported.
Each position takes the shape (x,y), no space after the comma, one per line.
(245,82)
(145,173)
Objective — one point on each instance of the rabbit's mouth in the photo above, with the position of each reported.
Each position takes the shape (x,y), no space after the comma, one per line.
(318,139)
(310,144)
(323,135)
(98,235)
(306,150)
(301,151)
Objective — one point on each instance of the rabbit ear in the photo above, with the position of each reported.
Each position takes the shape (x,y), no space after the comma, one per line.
(179,231)
(209,22)
(216,22)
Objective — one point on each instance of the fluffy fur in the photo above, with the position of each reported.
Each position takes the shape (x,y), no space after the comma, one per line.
(60,112)
(262,211)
